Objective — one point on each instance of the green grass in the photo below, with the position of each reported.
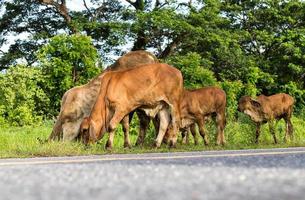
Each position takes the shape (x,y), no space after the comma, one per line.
(23,142)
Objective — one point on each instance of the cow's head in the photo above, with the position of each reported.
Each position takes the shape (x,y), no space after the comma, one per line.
(251,107)
(90,131)
(84,130)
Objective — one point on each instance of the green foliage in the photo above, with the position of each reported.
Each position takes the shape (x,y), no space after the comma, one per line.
(194,74)
(21,96)
(233,91)
(67,61)
(254,77)
(299,95)
(258,44)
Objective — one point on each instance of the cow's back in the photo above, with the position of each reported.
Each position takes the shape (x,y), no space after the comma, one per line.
(204,100)
(276,105)
(133,59)
(144,82)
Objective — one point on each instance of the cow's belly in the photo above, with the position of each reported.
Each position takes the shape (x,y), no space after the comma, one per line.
(186,122)
(152,111)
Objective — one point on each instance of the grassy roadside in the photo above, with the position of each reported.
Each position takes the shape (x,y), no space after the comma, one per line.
(22,141)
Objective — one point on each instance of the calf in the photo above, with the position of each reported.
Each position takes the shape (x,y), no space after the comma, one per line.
(268,109)
(149,87)
(195,107)
(78,101)
(198,104)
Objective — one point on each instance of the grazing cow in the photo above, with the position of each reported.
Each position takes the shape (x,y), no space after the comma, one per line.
(153,88)
(268,109)
(78,101)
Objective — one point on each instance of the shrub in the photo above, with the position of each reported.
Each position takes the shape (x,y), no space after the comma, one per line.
(233,91)
(20,95)
(194,74)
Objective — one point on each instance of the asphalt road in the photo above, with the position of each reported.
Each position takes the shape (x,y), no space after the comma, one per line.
(247,174)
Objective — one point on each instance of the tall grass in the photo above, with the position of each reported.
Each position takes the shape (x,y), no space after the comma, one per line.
(240,134)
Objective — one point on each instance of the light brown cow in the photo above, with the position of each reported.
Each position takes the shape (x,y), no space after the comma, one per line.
(78,101)
(268,109)
(156,87)
(196,106)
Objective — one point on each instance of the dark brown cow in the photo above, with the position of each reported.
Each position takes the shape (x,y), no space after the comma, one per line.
(78,101)
(196,106)
(156,87)
(268,109)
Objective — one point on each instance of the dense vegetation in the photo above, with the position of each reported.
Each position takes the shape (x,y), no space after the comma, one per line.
(246,47)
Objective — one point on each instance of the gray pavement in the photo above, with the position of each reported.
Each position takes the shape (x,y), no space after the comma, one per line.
(246,174)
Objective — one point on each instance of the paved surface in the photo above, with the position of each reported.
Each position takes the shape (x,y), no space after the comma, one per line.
(250,174)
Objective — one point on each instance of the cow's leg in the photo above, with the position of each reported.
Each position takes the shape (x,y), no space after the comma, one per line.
(193,131)
(117,117)
(289,129)
(258,130)
(109,143)
(176,123)
(156,122)
(144,123)
(164,122)
(272,131)
(220,123)
(125,124)
(201,130)
(185,136)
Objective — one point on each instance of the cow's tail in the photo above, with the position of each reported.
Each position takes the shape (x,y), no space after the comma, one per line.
(56,131)
(103,94)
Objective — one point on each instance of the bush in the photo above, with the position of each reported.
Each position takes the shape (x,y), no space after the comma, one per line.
(194,74)
(233,91)
(298,94)
(20,95)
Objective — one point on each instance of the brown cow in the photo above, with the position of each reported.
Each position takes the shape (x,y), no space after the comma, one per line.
(156,87)
(268,109)
(78,101)
(196,106)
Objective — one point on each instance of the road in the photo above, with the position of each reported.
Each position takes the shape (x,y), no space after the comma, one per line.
(245,174)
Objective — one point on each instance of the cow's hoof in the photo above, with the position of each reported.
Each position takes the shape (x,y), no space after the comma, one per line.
(139,143)
(127,146)
(157,145)
(108,146)
(172,144)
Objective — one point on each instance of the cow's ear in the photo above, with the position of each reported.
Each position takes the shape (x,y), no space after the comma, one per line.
(255,103)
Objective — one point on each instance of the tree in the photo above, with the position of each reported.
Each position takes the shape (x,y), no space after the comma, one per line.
(67,61)
(258,44)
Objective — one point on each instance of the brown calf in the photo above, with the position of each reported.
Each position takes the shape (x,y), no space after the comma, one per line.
(195,107)
(153,86)
(78,101)
(268,109)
